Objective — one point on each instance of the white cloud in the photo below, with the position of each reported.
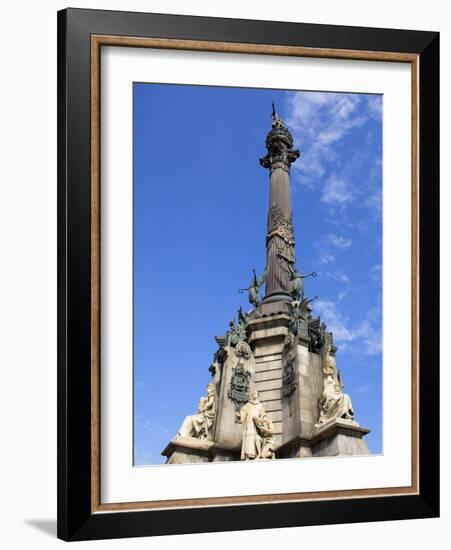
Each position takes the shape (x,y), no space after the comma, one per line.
(144,458)
(366,334)
(341,278)
(326,258)
(375,274)
(338,276)
(364,388)
(374,202)
(327,245)
(335,323)
(153,427)
(337,241)
(375,106)
(373,186)
(337,191)
(318,121)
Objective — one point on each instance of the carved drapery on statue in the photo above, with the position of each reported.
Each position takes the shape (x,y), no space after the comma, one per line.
(265,441)
(199,425)
(334,403)
(258,431)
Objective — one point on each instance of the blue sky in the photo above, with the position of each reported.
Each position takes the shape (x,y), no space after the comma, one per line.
(200,207)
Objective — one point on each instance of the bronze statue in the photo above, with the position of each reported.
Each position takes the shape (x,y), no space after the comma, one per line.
(277,122)
(300,315)
(244,318)
(236,333)
(296,278)
(254,288)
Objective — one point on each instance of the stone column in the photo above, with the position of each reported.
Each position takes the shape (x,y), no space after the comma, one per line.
(280,237)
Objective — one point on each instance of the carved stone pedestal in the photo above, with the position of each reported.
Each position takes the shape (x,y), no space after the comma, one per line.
(188,450)
(339,437)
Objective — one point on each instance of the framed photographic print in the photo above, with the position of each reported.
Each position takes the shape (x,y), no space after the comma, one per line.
(248,274)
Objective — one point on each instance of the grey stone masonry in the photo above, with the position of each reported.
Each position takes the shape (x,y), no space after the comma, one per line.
(295,415)
(228,431)
(293,412)
(339,437)
(266,336)
(183,450)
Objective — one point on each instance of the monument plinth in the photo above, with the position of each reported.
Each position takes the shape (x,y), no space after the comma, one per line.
(275,390)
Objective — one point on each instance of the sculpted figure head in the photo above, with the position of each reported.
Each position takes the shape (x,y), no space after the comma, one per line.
(329,367)
(254,396)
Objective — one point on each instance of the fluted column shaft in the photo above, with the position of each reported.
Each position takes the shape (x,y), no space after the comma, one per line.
(280,240)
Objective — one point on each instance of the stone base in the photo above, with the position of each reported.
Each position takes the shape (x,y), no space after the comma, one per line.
(339,437)
(219,454)
(189,450)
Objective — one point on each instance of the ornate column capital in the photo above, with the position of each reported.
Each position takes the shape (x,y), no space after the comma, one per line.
(279,143)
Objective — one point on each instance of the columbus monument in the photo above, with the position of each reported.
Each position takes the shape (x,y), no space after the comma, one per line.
(274,390)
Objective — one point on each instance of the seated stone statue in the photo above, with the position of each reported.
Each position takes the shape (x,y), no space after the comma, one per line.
(265,438)
(199,425)
(334,403)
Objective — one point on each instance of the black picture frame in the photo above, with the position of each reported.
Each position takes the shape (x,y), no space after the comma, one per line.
(76,519)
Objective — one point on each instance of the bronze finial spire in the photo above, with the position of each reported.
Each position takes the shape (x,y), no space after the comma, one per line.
(277,122)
